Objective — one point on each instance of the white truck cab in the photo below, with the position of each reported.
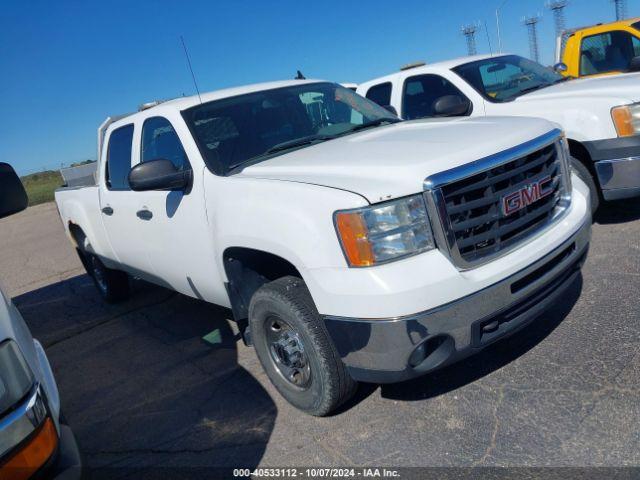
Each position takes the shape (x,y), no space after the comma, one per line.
(33,439)
(349,245)
(600,116)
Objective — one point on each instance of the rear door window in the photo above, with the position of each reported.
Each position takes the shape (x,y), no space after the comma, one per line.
(119,158)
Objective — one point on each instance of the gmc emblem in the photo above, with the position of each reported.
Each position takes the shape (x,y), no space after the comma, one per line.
(527,195)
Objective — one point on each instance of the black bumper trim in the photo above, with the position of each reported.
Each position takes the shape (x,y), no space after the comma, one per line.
(613,148)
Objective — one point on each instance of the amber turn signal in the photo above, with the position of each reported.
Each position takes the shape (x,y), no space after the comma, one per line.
(623,120)
(353,234)
(33,454)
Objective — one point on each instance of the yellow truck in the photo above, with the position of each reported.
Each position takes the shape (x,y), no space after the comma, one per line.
(602,49)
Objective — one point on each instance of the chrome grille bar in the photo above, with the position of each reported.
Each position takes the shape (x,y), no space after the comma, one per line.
(465,203)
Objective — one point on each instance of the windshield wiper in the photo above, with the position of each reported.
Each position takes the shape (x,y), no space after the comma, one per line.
(524,91)
(298,142)
(312,140)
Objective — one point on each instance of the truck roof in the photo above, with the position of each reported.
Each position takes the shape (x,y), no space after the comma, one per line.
(183,103)
(598,28)
(433,67)
(617,23)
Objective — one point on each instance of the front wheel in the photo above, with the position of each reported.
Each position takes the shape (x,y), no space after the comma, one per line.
(113,285)
(583,173)
(295,350)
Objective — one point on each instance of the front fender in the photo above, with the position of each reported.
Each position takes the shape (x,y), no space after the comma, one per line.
(291,220)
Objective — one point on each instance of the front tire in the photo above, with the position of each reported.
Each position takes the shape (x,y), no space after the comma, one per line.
(583,173)
(113,285)
(295,349)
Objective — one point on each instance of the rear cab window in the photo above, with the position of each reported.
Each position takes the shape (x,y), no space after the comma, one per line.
(119,158)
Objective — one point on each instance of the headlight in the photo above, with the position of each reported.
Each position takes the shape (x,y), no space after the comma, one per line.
(565,156)
(626,118)
(381,233)
(16,379)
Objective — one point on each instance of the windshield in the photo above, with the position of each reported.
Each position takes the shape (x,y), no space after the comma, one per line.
(237,131)
(505,78)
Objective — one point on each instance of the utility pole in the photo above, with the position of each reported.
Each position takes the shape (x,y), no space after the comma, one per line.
(469,32)
(621,9)
(532,26)
(557,7)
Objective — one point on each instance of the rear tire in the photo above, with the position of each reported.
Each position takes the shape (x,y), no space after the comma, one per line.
(295,350)
(585,175)
(113,285)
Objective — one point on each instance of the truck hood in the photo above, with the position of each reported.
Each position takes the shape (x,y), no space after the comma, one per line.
(392,161)
(621,88)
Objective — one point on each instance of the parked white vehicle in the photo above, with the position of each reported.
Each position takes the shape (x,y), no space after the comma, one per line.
(601,116)
(33,440)
(348,244)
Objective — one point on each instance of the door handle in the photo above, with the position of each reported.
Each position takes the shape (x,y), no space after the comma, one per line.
(107,211)
(144,214)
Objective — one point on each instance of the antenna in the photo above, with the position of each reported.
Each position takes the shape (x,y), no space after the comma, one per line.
(486,29)
(621,9)
(469,31)
(186,53)
(532,25)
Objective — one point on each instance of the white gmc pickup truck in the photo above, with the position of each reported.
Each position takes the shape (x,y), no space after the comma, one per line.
(600,116)
(350,245)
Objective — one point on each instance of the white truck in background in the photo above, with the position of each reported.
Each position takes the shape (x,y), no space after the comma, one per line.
(600,116)
(34,439)
(350,246)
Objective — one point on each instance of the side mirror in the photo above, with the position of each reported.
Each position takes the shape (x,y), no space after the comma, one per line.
(159,174)
(451,106)
(634,65)
(391,108)
(560,67)
(13,197)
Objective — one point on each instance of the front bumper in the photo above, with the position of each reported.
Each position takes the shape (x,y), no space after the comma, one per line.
(396,349)
(617,164)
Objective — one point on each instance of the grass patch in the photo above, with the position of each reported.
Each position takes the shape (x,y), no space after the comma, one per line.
(40,186)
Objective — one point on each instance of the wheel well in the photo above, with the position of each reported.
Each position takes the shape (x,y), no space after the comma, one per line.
(78,235)
(247,270)
(579,152)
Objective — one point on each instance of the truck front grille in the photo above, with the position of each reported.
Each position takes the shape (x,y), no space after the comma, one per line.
(476,225)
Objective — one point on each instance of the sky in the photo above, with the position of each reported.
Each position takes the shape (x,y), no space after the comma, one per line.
(67,65)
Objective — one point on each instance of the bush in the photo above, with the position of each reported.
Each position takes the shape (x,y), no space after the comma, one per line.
(41,186)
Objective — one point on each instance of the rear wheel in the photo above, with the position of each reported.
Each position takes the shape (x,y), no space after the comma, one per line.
(113,285)
(295,349)
(583,173)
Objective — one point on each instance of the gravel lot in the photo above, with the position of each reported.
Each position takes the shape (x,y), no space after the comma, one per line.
(140,387)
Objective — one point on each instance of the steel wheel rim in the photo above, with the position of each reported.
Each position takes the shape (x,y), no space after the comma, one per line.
(287,353)
(98,274)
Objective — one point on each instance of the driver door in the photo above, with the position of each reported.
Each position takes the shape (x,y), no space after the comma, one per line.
(174,224)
